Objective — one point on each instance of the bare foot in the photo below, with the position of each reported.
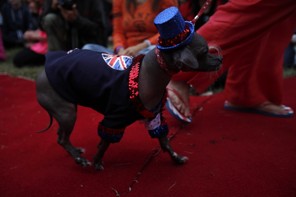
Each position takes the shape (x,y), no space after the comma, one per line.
(275,109)
(267,108)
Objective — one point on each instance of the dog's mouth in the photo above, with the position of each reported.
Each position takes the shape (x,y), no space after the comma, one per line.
(213,62)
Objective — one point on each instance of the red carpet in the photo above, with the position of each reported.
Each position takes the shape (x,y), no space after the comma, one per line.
(230,153)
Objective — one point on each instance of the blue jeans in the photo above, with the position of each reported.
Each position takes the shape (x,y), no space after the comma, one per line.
(97,48)
(100,48)
(289,56)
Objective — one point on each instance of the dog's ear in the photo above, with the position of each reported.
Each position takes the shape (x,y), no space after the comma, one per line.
(193,57)
(180,59)
(196,56)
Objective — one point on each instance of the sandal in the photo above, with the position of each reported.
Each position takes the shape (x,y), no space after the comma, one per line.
(172,108)
(266,108)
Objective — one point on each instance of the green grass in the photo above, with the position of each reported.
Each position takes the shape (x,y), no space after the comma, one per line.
(289,72)
(7,67)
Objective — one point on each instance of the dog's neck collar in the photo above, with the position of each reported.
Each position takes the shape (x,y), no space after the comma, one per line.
(133,86)
(162,63)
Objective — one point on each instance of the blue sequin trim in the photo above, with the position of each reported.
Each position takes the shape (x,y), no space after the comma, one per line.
(160,131)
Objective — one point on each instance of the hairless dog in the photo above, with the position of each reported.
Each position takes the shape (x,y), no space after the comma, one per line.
(122,88)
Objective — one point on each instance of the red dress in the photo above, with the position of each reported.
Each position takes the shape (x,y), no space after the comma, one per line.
(252,35)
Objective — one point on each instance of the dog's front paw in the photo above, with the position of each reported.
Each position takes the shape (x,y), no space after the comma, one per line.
(80,150)
(179,159)
(99,166)
(82,161)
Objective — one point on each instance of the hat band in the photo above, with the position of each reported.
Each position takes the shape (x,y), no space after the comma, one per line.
(176,40)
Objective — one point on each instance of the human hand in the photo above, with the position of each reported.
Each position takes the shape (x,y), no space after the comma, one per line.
(119,51)
(133,50)
(32,35)
(130,51)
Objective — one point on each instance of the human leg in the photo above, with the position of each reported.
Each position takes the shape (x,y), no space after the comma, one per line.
(56,31)
(249,52)
(243,51)
(27,57)
(2,50)
(289,56)
(259,86)
(97,48)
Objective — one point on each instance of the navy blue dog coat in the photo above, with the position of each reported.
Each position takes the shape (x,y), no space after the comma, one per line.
(106,83)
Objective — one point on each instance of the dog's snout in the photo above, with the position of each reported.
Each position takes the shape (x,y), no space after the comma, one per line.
(214,62)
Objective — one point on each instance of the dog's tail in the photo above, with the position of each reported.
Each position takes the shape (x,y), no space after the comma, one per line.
(49,125)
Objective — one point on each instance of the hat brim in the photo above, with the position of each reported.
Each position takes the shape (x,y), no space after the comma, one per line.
(184,42)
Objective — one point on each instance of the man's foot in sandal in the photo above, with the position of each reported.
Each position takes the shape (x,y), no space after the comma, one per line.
(178,100)
(266,108)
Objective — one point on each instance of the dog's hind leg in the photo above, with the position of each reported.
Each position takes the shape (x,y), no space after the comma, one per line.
(66,124)
(165,146)
(65,114)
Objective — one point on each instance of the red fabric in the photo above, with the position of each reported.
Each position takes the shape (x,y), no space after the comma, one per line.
(186,10)
(252,36)
(230,153)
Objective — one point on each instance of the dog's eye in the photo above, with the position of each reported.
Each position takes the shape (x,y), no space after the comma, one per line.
(200,51)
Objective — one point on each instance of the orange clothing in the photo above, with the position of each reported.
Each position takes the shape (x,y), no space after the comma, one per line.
(130,30)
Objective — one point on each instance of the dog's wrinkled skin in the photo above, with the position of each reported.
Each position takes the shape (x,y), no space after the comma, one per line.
(152,86)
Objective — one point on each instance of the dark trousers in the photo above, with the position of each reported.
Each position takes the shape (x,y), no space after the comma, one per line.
(27,57)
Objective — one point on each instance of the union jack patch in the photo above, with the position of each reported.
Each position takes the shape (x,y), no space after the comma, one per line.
(117,62)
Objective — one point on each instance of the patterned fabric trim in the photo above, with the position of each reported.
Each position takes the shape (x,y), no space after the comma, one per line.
(110,135)
(134,88)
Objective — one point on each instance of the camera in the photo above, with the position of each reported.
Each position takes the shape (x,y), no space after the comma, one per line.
(67,4)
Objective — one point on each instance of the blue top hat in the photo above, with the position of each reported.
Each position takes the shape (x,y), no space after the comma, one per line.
(174,31)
